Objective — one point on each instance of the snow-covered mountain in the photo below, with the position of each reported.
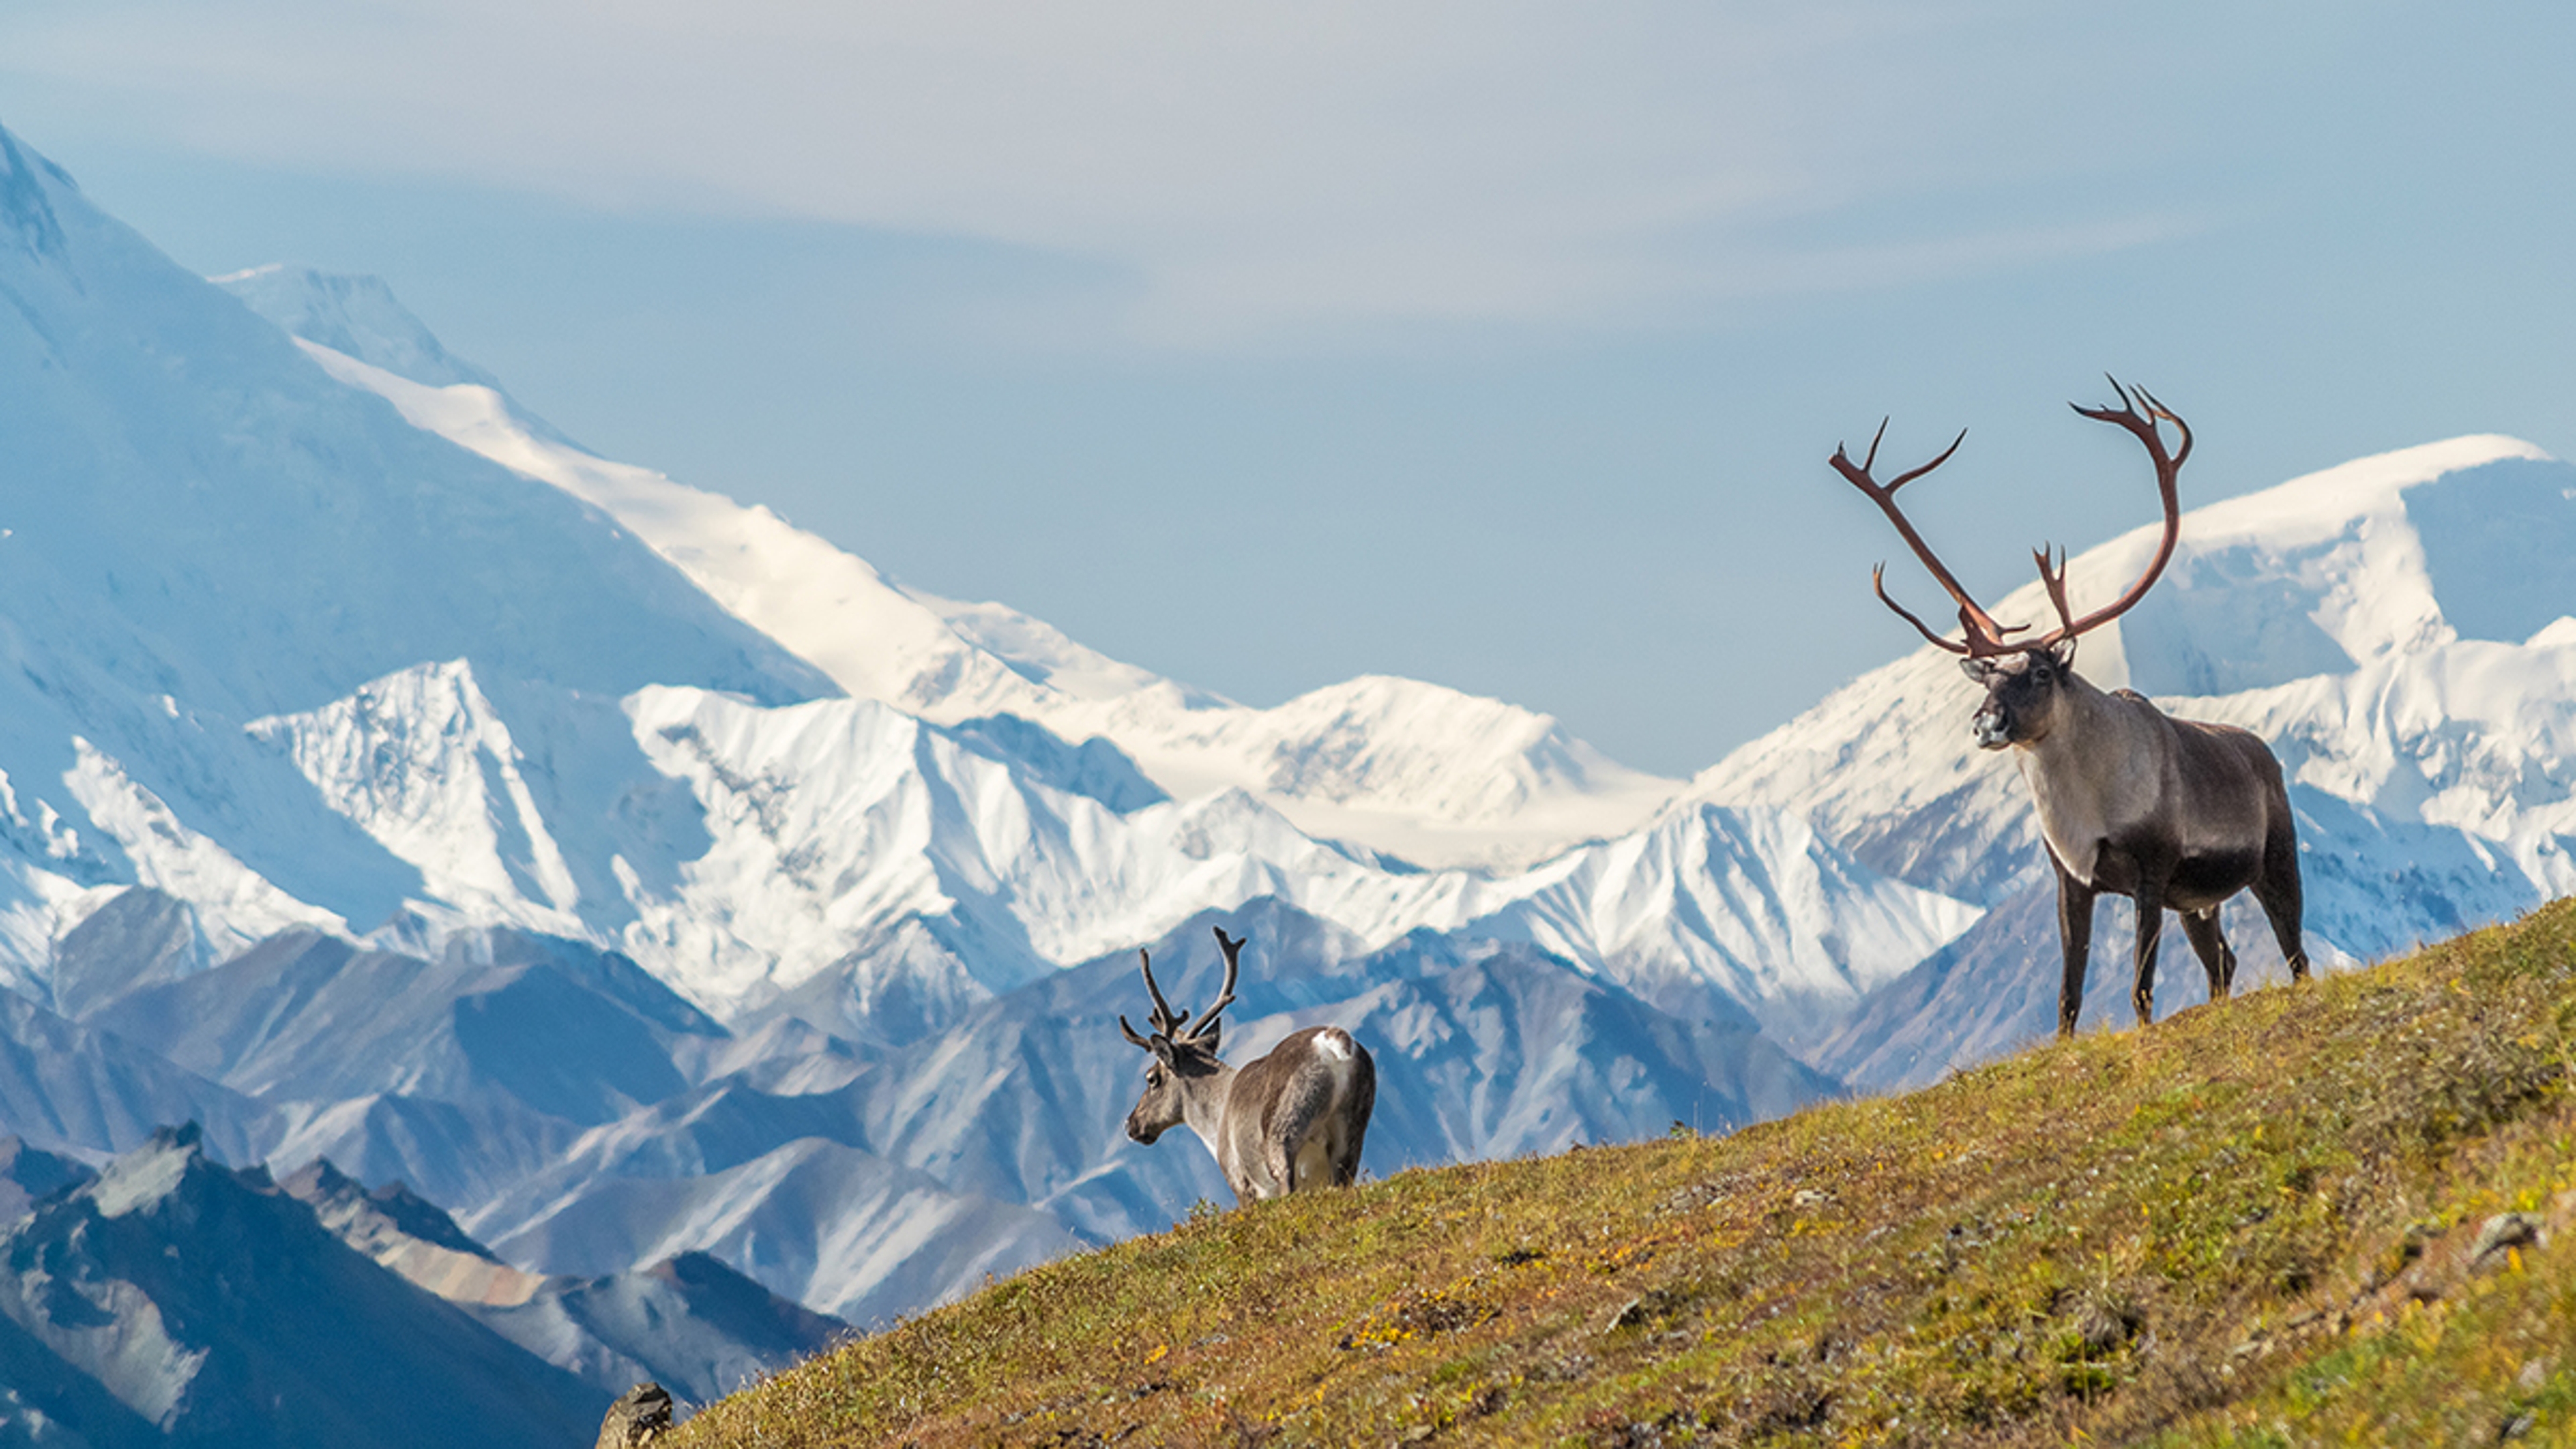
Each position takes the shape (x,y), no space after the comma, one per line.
(200,528)
(884,871)
(355,316)
(375,899)
(1401,767)
(385,778)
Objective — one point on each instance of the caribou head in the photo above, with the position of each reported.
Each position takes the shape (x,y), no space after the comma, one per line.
(2022,695)
(1290,1120)
(1185,1063)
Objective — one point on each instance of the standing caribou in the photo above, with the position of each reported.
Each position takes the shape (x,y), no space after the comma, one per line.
(1290,1120)
(2174,814)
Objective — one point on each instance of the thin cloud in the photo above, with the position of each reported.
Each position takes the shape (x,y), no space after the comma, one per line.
(1256,171)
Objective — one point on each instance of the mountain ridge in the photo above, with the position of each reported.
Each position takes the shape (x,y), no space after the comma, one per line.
(1487,783)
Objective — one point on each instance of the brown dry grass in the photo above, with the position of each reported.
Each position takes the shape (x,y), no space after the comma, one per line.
(2247,1225)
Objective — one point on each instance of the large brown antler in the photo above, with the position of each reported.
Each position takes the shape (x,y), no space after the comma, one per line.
(1163,1019)
(2168,476)
(1984,636)
(1166,1021)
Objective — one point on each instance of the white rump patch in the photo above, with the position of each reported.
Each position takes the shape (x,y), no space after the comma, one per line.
(1334,1043)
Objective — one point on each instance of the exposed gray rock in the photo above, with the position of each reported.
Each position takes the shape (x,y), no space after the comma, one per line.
(689,1322)
(29,1175)
(450,1153)
(388,1212)
(639,1416)
(137,939)
(557,1028)
(864,1238)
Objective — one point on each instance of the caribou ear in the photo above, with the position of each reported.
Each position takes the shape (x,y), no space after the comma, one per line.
(1161,1046)
(1980,670)
(2064,654)
(1208,1038)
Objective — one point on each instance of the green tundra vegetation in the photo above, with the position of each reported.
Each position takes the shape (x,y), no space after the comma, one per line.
(2258,1223)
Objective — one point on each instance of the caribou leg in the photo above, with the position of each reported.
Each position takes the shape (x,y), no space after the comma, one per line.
(1295,1118)
(1346,1158)
(2075,938)
(2208,943)
(2151,931)
(2278,892)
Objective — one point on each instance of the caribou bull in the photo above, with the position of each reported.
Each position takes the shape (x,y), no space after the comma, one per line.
(2174,814)
(1293,1119)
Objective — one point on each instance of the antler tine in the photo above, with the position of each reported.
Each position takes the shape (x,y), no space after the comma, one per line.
(2168,475)
(2054,580)
(1233,949)
(1909,475)
(1983,635)
(1131,1033)
(1164,1017)
(2156,408)
(1878,581)
(2143,424)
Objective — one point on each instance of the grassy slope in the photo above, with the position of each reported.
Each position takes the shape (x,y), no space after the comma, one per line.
(2247,1225)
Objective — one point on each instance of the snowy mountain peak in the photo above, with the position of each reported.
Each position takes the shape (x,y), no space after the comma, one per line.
(2374,558)
(202,529)
(1411,770)
(355,315)
(1476,759)
(422,762)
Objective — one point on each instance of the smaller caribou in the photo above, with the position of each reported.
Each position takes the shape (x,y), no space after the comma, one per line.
(1293,1119)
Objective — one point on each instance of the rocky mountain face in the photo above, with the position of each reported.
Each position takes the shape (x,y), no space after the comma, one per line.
(688,1322)
(164,1298)
(172,1300)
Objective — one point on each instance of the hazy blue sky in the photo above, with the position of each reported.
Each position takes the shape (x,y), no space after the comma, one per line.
(1492,343)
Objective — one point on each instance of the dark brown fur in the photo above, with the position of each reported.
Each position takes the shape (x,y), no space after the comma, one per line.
(2174,814)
